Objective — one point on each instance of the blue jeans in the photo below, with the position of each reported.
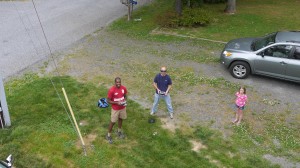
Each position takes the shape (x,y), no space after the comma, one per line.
(166,98)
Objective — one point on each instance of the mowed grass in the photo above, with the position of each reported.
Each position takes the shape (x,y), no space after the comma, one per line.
(42,134)
(252,18)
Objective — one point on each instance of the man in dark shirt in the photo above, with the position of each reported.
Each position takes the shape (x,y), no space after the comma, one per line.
(162,84)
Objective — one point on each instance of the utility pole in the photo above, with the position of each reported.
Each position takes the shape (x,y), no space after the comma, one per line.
(4,114)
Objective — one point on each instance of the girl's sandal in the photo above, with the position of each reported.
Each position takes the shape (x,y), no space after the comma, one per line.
(234,121)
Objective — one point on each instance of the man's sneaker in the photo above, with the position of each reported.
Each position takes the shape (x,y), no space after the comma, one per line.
(120,135)
(152,113)
(171,115)
(109,139)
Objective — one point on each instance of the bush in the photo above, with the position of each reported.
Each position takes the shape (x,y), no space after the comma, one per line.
(168,19)
(191,17)
(192,3)
(214,1)
(199,3)
(195,17)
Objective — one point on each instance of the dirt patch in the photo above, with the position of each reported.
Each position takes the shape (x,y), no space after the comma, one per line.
(197,146)
(169,124)
(88,140)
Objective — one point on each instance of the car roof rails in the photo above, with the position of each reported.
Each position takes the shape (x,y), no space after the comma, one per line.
(293,41)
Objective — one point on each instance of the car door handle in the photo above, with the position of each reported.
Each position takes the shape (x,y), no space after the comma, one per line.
(282,63)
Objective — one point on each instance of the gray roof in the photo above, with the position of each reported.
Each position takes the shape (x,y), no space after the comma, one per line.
(287,36)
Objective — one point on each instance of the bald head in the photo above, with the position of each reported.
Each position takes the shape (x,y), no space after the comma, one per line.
(163,68)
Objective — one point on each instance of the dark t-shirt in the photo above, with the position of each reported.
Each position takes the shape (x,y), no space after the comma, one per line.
(162,82)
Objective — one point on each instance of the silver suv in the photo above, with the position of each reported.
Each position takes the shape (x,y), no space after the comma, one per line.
(7,163)
(275,55)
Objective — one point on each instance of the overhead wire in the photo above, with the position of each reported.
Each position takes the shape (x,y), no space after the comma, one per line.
(57,71)
(27,31)
(51,55)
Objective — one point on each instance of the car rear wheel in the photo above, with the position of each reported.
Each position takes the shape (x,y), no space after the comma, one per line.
(240,69)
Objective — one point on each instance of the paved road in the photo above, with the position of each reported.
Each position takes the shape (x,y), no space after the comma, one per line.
(22,42)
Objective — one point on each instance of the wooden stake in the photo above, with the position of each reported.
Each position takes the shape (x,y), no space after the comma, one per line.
(70,108)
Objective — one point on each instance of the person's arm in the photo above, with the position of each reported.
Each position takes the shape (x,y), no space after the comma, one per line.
(125,97)
(237,93)
(155,86)
(112,102)
(169,88)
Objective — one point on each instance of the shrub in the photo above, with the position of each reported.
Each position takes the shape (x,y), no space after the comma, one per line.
(168,19)
(195,17)
(191,17)
(214,1)
(198,3)
(192,3)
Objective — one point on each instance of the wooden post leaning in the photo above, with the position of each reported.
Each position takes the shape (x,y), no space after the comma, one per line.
(70,108)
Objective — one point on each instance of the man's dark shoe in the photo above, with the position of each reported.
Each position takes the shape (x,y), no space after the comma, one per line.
(120,135)
(109,139)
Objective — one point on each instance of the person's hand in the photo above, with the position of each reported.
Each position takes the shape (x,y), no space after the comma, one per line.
(122,103)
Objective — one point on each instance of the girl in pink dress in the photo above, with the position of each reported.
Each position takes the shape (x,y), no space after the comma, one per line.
(240,102)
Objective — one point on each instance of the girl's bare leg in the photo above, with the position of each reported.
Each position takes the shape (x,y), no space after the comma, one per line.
(240,116)
(236,117)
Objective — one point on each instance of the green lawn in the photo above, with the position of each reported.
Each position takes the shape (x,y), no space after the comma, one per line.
(42,134)
(253,18)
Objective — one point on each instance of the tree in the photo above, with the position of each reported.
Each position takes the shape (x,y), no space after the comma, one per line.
(178,7)
(230,7)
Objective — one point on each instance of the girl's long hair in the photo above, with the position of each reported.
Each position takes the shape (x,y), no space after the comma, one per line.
(242,87)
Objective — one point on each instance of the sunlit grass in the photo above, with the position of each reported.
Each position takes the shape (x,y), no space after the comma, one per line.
(44,132)
(252,18)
